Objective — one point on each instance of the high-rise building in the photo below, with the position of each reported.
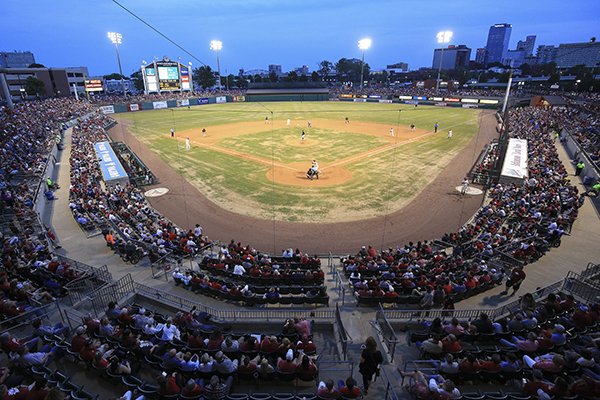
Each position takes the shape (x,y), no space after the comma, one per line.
(454,57)
(497,43)
(572,54)
(527,45)
(480,55)
(546,54)
(275,68)
(397,67)
(303,70)
(16,59)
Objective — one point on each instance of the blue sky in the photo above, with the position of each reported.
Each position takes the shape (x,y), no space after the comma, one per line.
(256,33)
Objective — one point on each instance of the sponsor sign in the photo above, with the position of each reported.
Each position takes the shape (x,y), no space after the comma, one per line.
(515,161)
(183,103)
(134,107)
(405,97)
(159,104)
(385,101)
(470,106)
(109,163)
(436,98)
(346,96)
(239,98)
(441,104)
(374,96)
(360,100)
(411,102)
(486,101)
(419,98)
(469,100)
(203,100)
(107,109)
(221,99)
(451,99)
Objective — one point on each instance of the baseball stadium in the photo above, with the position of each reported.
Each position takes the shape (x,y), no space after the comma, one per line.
(298,240)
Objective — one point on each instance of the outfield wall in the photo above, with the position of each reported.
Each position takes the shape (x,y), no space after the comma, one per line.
(464,102)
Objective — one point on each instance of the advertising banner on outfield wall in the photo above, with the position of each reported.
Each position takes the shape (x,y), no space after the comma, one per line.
(239,98)
(159,104)
(107,109)
(221,99)
(441,104)
(470,106)
(134,107)
(203,100)
(360,100)
(183,103)
(385,101)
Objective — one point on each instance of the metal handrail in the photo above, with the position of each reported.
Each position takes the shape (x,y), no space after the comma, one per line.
(390,391)
(387,332)
(344,337)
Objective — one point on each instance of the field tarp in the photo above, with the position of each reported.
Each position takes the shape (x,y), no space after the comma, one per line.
(514,169)
(112,170)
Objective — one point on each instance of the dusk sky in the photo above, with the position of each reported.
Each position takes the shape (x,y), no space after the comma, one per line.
(256,33)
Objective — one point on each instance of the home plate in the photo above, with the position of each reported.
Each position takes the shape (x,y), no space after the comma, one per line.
(157,192)
(473,191)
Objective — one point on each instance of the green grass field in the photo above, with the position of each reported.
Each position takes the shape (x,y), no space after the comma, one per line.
(233,170)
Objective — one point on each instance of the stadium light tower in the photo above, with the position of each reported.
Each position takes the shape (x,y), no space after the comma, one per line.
(216,46)
(116,38)
(363,44)
(443,37)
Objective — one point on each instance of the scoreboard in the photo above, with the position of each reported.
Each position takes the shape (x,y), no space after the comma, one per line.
(93,85)
(166,76)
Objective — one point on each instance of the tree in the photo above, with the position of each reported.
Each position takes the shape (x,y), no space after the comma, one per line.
(292,76)
(138,80)
(114,75)
(350,70)
(241,82)
(315,77)
(325,68)
(34,86)
(204,77)
(258,78)
(273,76)
(230,80)
(36,65)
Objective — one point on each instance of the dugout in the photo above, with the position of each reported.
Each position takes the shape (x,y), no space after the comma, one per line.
(287,94)
(547,101)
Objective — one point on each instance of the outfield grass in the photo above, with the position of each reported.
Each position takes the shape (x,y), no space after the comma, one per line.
(381,183)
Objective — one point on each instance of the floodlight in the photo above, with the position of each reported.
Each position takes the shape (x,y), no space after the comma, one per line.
(115,37)
(216,45)
(444,36)
(364,44)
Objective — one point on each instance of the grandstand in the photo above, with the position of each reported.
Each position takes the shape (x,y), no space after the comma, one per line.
(141,296)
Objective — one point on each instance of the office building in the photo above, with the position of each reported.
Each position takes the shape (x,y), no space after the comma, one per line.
(480,56)
(454,57)
(77,76)
(527,45)
(55,81)
(497,43)
(275,68)
(303,70)
(571,54)
(546,54)
(16,59)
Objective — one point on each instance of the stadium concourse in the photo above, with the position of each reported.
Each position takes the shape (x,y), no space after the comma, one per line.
(576,251)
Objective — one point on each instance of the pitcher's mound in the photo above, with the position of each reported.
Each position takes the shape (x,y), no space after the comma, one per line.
(295,175)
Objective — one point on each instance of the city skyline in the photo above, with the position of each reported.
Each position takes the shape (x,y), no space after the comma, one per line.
(256,33)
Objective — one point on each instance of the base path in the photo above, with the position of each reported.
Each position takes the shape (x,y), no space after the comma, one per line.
(436,210)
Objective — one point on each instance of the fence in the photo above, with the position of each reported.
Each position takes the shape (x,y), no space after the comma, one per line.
(342,334)
(387,332)
(115,291)
(340,286)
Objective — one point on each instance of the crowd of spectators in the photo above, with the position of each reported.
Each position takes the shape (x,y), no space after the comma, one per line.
(550,349)
(522,221)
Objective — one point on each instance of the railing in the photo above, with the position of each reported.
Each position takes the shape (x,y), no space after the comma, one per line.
(340,286)
(387,332)
(100,273)
(115,291)
(342,334)
(590,270)
(162,266)
(579,287)
(494,313)
(48,311)
(347,367)
(231,315)
(390,388)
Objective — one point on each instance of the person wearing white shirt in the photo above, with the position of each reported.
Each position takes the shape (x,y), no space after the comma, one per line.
(169,331)
(198,231)
(177,274)
(238,270)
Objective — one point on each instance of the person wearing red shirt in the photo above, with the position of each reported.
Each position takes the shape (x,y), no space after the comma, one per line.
(191,389)
(168,385)
(450,344)
(269,345)
(492,365)
(350,390)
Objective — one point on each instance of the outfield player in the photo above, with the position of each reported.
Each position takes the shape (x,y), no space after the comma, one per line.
(289,121)
(204,132)
(450,133)
(391,131)
(303,134)
(172,132)
(187,143)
